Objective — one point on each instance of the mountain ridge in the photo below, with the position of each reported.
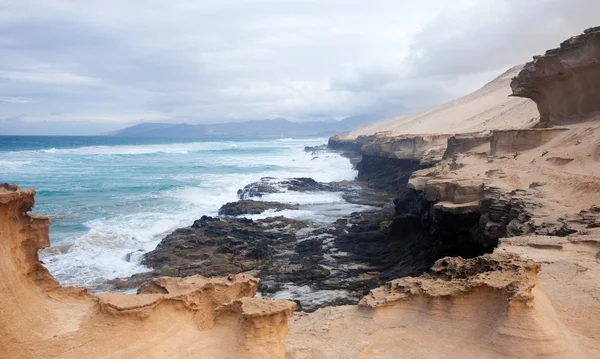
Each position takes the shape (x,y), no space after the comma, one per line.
(253,128)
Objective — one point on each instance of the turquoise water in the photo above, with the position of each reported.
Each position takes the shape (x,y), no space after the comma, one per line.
(111,199)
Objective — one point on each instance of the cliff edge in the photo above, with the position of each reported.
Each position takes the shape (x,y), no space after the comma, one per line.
(565,82)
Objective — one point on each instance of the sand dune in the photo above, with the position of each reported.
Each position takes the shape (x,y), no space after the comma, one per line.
(488,108)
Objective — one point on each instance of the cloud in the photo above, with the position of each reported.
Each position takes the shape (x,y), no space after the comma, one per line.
(53,78)
(15,100)
(109,64)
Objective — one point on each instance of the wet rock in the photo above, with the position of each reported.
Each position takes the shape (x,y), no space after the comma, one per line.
(134,256)
(316,150)
(247,206)
(216,247)
(268,185)
(258,189)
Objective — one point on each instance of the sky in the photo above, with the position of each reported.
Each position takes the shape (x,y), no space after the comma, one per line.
(85,67)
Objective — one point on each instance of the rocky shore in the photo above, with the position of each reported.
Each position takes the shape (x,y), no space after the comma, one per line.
(316,264)
(478,244)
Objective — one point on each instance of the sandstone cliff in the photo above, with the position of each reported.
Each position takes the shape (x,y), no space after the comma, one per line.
(565,82)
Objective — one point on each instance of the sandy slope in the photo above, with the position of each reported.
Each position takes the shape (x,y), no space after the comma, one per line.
(488,108)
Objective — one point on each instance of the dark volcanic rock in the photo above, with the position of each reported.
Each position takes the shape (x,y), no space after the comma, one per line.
(258,189)
(217,247)
(384,173)
(284,253)
(300,184)
(353,192)
(248,206)
(316,150)
(415,238)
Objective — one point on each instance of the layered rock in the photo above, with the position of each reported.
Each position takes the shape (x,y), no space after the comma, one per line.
(511,141)
(423,148)
(565,82)
(348,143)
(465,143)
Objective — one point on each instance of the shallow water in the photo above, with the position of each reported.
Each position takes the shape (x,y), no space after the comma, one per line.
(109,197)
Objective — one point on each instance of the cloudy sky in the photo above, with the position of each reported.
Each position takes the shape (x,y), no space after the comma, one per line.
(81,67)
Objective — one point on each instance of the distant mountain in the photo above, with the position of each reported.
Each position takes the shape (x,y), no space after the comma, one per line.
(259,128)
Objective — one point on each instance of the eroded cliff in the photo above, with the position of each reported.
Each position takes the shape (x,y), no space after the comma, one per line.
(564,82)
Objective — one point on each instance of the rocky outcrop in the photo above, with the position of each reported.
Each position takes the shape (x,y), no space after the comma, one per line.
(384,173)
(261,326)
(426,149)
(503,284)
(200,294)
(169,318)
(353,192)
(516,278)
(284,253)
(511,141)
(466,142)
(565,82)
(443,190)
(248,206)
(268,185)
(216,247)
(388,162)
(347,143)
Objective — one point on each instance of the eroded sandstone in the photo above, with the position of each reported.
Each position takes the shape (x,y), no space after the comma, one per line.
(564,82)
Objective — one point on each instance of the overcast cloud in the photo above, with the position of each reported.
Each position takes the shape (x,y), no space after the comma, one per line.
(80,67)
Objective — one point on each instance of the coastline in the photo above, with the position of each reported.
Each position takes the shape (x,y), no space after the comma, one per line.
(312,263)
(491,248)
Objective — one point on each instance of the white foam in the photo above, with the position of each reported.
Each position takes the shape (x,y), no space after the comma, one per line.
(173,148)
(7,166)
(306,293)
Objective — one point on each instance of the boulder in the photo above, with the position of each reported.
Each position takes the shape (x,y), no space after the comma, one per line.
(248,206)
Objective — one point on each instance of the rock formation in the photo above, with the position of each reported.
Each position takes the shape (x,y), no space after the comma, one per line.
(248,206)
(565,82)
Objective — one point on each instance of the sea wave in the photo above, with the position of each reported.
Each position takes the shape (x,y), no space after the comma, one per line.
(12,165)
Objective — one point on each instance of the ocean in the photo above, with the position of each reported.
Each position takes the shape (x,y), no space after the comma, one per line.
(111,199)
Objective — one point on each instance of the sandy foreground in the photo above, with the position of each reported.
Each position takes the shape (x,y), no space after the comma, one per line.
(536,296)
